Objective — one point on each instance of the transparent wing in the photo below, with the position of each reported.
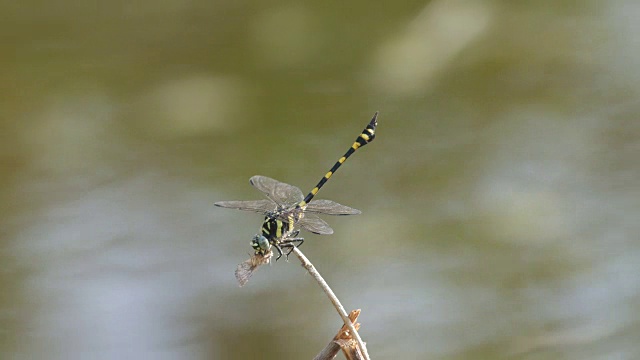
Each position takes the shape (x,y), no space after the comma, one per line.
(330,208)
(315,225)
(283,194)
(260,206)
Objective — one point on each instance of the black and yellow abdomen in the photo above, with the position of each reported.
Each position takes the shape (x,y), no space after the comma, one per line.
(367,136)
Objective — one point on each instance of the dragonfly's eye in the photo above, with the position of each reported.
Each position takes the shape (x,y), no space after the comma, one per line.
(260,244)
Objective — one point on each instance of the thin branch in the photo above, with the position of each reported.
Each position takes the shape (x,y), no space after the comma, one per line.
(334,300)
(329,352)
(343,340)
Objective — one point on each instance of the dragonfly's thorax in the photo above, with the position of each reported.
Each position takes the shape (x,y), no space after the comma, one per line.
(274,228)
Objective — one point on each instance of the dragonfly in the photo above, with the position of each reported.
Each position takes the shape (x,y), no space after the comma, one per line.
(286,210)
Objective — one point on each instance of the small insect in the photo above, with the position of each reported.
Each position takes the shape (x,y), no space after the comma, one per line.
(286,209)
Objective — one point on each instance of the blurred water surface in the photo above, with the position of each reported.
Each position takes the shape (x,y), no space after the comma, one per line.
(500,199)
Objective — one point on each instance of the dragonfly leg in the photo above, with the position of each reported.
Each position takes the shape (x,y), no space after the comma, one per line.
(291,243)
(295,242)
(279,251)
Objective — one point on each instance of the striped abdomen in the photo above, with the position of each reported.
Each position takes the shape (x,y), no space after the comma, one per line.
(367,136)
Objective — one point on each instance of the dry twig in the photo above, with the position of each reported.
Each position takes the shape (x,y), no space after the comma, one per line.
(347,338)
(343,340)
(334,300)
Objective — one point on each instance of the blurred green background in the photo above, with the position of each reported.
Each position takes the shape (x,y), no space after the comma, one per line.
(500,199)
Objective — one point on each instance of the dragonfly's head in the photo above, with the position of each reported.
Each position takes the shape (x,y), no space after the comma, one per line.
(260,244)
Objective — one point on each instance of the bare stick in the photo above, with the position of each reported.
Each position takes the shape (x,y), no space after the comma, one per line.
(336,303)
(343,340)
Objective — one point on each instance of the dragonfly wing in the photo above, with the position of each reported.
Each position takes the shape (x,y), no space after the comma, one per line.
(330,208)
(315,225)
(260,206)
(283,194)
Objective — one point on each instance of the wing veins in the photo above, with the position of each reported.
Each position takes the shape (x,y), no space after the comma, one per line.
(281,193)
(329,207)
(259,206)
(314,224)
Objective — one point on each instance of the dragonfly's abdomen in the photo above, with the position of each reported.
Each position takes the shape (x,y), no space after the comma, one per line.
(367,136)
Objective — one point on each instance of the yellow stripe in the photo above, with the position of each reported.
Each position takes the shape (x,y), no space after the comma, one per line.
(279,229)
(364,136)
(355,145)
(302,204)
(315,190)
(342,159)
(328,175)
